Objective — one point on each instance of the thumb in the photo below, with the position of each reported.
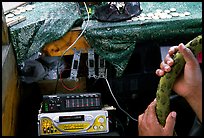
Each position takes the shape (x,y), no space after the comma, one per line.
(170,122)
(187,53)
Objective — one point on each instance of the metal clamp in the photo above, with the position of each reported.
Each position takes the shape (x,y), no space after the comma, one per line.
(91,63)
(75,65)
(102,72)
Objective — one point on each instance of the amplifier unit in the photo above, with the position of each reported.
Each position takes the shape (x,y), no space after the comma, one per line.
(71,102)
(73,123)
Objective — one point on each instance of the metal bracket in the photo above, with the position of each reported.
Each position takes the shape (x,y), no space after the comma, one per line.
(102,72)
(75,65)
(91,63)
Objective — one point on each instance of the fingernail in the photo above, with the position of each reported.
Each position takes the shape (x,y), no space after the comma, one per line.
(160,72)
(181,44)
(173,114)
(166,68)
(157,71)
(168,62)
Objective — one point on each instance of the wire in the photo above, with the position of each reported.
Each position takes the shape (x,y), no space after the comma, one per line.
(71,46)
(64,85)
(117,101)
(81,32)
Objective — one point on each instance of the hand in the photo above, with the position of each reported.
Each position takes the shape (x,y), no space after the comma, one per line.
(148,124)
(190,81)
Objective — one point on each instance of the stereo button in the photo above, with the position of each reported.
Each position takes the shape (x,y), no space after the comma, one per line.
(89,118)
(101,127)
(95,127)
(44,130)
(101,120)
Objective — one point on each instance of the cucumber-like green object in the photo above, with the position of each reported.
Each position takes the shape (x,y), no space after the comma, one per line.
(167,81)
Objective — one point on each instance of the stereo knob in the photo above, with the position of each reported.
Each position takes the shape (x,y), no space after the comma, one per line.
(101,120)
(44,130)
(101,127)
(95,127)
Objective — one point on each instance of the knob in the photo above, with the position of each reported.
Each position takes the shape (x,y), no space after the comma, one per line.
(95,127)
(101,120)
(101,127)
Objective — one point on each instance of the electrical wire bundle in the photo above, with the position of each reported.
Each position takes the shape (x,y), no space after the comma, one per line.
(71,89)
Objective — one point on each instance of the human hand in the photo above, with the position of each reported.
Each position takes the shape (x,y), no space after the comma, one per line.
(148,124)
(189,82)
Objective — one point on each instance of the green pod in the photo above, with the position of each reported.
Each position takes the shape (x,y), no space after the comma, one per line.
(167,81)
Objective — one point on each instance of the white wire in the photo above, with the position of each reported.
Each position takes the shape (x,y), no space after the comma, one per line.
(81,32)
(72,43)
(117,101)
